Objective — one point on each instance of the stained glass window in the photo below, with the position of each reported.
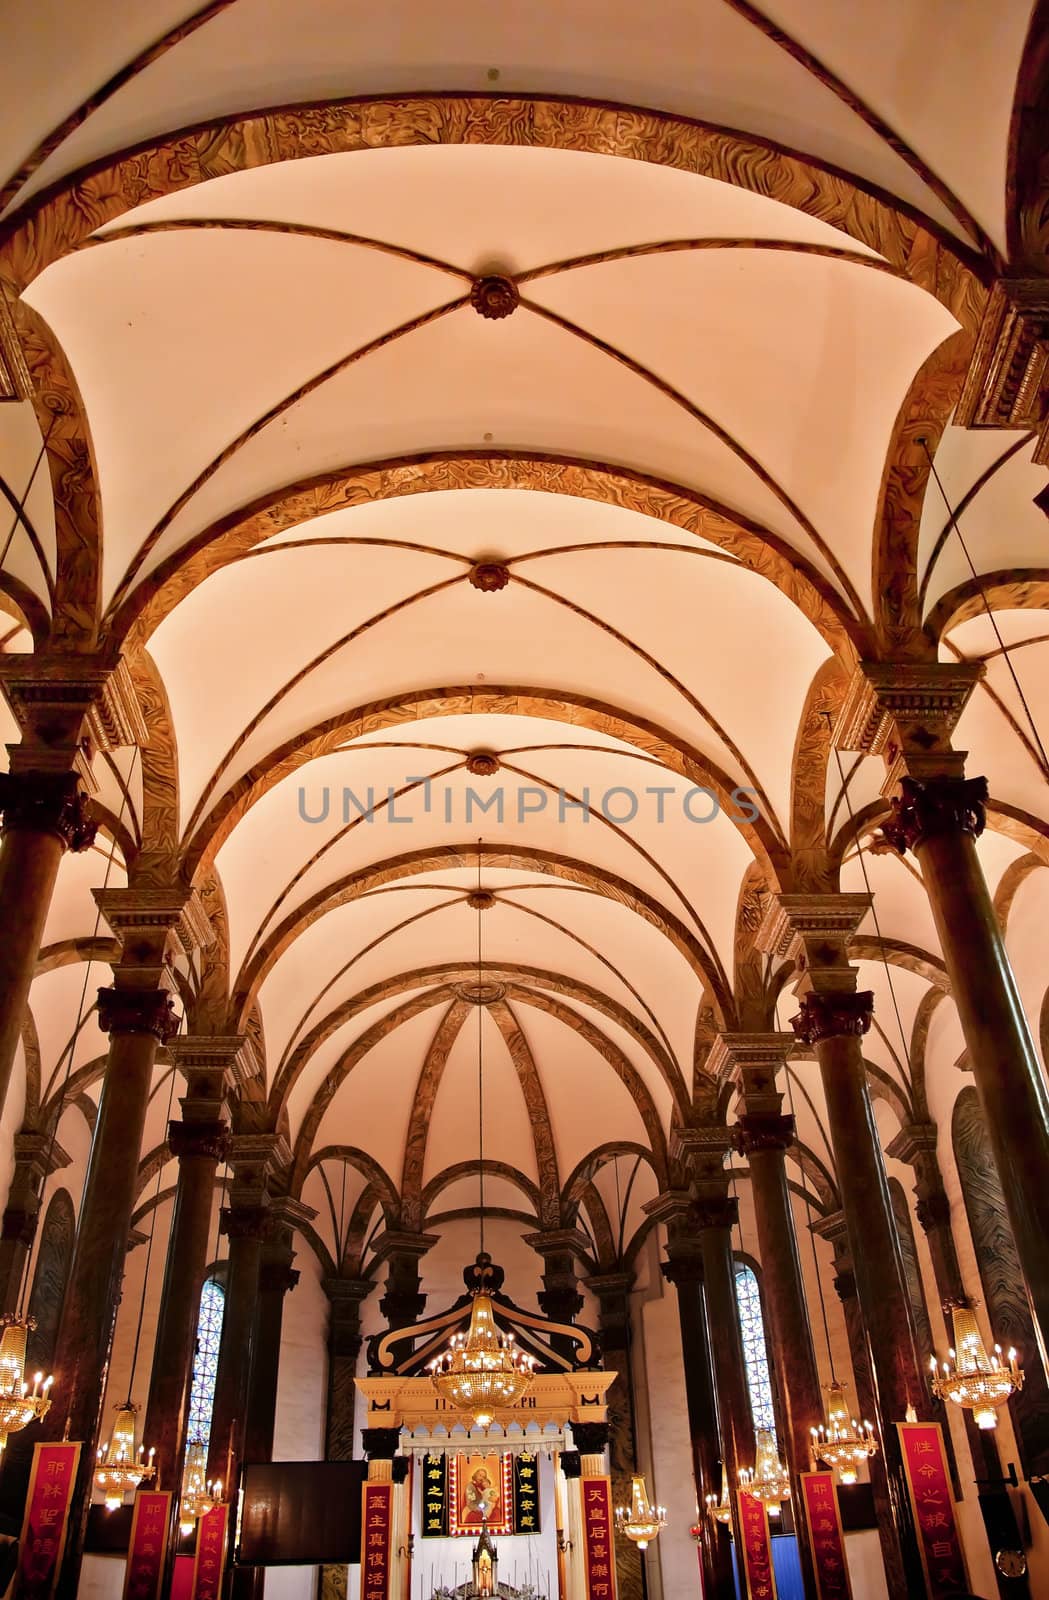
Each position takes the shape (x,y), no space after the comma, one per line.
(755,1355)
(206,1360)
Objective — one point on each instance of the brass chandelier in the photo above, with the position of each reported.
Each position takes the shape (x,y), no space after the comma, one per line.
(121,1466)
(978,1382)
(720,1510)
(18,1405)
(769,1481)
(842,1444)
(482,1370)
(198,1496)
(641,1521)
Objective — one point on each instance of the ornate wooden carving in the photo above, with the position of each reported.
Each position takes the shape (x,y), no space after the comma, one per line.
(46,802)
(936,807)
(834,1016)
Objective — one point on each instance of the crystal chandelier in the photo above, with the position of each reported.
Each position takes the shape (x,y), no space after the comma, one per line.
(769,1481)
(978,1382)
(482,1370)
(198,1496)
(121,1467)
(841,1444)
(720,1510)
(641,1521)
(19,1407)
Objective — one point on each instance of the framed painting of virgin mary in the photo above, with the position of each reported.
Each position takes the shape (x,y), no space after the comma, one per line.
(480,1494)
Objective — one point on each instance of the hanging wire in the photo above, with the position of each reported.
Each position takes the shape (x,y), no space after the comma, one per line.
(60,1103)
(874,909)
(149,1247)
(952,521)
(20,508)
(480,1054)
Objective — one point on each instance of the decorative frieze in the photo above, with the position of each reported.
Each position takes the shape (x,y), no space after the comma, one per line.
(1008,375)
(145,918)
(792,920)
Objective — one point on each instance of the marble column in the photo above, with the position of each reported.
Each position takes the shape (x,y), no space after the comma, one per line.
(403,1302)
(764,1136)
(833,1019)
(138,1014)
(684,1269)
(244,1222)
(199,1142)
(67,706)
(908,713)
(36,1158)
(345,1298)
(612,1290)
(559,1299)
(45,814)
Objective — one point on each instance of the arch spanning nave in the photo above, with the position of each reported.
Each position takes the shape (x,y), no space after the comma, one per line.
(524,691)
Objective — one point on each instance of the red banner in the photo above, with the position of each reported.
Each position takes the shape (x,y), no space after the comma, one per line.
(932,1501)
(182,1579)
(210,1562)
(757,1548)
(598,1550)
(826,1535)
(149,1535)
(46,1518)
(376,1541)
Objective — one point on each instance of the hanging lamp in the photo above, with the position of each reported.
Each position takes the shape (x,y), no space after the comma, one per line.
(19,1406)
(641,1521)
(976,1381)
(482,1370)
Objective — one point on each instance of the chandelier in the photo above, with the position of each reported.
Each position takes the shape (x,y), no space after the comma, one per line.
(641,1521)
(482,1369)
(198,1497)
(19,1407)
(841,1444)
(121,1467)
(978,1382)
(769,1481)
(720,1510)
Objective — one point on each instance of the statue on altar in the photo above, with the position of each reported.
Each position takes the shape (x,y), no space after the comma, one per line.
(484,1583)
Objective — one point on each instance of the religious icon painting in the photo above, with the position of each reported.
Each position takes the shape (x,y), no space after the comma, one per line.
(480,1492)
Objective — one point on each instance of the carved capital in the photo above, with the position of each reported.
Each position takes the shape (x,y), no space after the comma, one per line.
(933,1211)
(845,1284)
(833,1016)
(797,923)
(380,1444)
(47,802)
(937,808)
(917,703)
(716,1211)
(244,1222)
(765,1133)
(144,919)
(137,1011)
(20,1223)
(590,1438)
(61,700)
(201,1139)
(571,1463)
(277,1277)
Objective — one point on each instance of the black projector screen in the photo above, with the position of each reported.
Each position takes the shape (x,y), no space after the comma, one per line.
(301,1513)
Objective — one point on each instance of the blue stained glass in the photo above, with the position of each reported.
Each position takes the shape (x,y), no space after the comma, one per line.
(755,1355)
(206,1360)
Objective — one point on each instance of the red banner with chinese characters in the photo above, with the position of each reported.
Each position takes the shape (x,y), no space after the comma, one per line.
(757,1548)
(376,1541)
(598,1551)
(211,1554)
(145,1556)
(826,1535)
(932,1501)
(46,1518)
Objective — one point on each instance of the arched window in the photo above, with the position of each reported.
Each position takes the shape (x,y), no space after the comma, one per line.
(755,1355)
(206,1360)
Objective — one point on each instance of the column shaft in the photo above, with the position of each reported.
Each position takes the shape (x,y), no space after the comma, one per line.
(45,813)
(276,1277)
(137,1020)
(199,1150)
(244,1226)
(1006,1070)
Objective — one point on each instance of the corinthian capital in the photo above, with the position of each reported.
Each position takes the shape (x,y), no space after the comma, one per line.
(48,802)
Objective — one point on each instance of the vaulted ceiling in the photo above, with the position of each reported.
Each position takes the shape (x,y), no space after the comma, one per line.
(354,532)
